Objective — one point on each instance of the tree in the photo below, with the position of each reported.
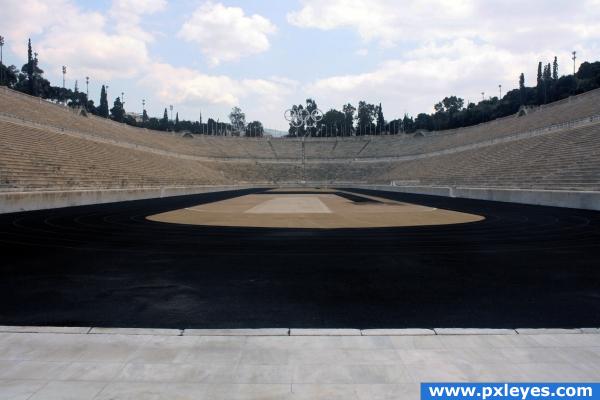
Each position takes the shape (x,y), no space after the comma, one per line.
(364,118)
(408,125)
(303,111)
(422,122)
(297,131)
(394,127)
(522,88)
(453,104)
(30,67)
(547,77)
(333,123)
(211,126)
(177,127)
(555,69)
(311,105)
(118,112)
(380,120)
(540,84)
(164,122)
(103,107)
(10,75)
(348,126)
(254,129)
(144,116)
(237,119)
(589,71)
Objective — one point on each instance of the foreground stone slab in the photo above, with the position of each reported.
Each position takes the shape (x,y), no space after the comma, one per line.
(546,331)
(237,332)
(397,332)
(590,330)
(325,332)
(49,366)
(45,329)
(135,331)
(474,331)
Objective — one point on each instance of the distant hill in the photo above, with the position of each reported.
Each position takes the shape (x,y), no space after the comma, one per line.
(275,132)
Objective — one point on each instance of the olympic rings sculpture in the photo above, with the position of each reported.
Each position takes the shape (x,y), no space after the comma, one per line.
(298,118)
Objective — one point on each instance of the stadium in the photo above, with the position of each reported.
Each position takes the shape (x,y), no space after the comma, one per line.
(143,263)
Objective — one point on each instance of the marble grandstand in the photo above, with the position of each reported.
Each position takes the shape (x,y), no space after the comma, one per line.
(46,146)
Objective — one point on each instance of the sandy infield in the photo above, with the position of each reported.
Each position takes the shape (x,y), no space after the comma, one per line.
(324,210)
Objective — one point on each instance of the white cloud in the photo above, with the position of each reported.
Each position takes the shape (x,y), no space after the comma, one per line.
(445,47)
(412,84)
(226,33)
(386,21)
(128,13)
(184,85)
(390,22)
(191,90)
(79,39)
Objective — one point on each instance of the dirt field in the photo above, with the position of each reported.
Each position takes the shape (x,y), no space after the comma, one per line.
(318,209)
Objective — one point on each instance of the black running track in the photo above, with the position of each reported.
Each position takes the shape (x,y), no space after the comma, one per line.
(105,265)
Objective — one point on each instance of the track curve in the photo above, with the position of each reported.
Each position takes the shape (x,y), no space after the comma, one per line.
(107,265)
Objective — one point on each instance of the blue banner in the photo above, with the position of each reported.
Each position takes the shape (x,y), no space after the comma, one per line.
(509,391)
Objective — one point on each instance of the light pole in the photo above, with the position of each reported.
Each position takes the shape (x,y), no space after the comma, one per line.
(574,59)
(500,87)
(482,107)
(107,93)
(143,110)
(1,61)
(171,108)
(123,98)
(64,72)
(87,86)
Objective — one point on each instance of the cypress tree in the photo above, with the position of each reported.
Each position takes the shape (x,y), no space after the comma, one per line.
(164,122)
(555,69)
(540,82)
(522,88)
(30,68)
(103,107)
(380,120)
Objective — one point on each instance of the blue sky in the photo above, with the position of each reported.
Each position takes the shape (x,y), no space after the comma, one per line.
(264,56)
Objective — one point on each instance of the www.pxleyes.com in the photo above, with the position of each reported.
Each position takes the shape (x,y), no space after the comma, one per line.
(509,391)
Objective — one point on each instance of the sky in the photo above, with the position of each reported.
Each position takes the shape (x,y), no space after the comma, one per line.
(264,56)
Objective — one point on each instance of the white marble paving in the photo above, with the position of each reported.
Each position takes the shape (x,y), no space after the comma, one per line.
(136,331)
(397,332)
(474,331)
(120,366)
(324,332)
(45,329)
(540,331)
(237,332)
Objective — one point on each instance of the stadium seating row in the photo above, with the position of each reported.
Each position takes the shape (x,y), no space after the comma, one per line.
(41,157)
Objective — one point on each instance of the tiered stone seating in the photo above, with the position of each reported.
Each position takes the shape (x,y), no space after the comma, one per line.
(565,160)
(36,158)
(287,148)
(95,152)
(319,148)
